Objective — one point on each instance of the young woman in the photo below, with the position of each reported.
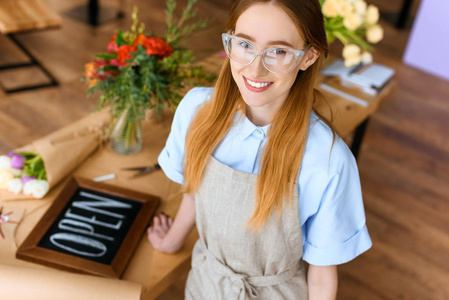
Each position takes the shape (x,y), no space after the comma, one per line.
(267,182)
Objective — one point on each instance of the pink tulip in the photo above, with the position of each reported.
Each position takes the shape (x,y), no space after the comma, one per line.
(25,179)
(17,161)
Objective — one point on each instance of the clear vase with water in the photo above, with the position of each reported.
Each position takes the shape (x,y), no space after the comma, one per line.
(126,135)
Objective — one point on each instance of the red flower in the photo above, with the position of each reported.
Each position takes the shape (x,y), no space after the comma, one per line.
(112,46)
(124,53)
(156,46)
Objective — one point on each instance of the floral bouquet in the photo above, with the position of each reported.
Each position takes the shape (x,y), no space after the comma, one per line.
(23,172)
(141,71)
(33,170)
(350,21)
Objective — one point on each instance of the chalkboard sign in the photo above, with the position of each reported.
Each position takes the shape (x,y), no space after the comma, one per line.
(90,228)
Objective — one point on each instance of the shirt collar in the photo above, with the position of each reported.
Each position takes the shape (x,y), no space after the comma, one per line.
(245,127)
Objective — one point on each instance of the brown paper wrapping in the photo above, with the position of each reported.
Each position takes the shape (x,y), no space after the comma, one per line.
(35,284)
(64,150)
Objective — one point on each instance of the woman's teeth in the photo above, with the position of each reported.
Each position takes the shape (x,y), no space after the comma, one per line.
(258,84)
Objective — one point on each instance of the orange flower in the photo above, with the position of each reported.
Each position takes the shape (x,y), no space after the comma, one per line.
(92,83)
(156,46)
(90,70)
(139,40)
(124,53)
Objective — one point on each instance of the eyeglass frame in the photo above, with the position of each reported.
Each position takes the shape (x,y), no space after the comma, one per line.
(298,53)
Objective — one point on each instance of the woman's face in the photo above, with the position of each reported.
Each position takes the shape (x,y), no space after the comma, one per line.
(266,26)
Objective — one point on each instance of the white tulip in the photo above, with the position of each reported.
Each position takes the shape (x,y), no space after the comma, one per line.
(5,162)
(352,21)
(345,8)
(374,34)
(330,8)
(367,58)
(40,188)
(37,188)
(6,175)
(351,50)
(351,54)
(360,7)
(15,185)
(372,15)
(28,187)
(352,60)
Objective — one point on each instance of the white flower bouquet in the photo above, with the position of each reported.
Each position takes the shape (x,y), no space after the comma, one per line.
(351,22)
(23,172)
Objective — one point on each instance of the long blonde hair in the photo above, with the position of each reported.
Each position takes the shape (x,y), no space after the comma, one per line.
(287,137)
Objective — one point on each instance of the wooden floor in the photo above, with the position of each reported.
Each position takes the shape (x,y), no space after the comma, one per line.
(403,163)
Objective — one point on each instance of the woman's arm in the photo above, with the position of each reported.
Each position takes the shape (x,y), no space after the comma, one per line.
(167,235)
(322,282)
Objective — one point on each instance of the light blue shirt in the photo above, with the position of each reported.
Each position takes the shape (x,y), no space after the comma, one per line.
(330,199)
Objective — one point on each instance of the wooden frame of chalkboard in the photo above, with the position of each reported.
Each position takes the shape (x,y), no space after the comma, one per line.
(91,228)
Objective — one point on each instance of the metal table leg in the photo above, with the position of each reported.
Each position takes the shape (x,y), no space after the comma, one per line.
(358,138)
(33,62)
(404,14)
(94,14)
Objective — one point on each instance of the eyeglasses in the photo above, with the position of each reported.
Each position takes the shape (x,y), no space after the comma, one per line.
(276,60)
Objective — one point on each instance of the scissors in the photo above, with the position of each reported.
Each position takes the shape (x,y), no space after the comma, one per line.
(143,170)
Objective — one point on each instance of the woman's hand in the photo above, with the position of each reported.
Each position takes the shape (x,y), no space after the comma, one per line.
(159,230)
(167,235)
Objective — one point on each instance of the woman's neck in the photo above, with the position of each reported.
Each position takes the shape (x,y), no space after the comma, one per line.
(260,116)
(257,119)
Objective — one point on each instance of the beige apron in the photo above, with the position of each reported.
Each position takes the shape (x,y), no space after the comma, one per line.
(231,262)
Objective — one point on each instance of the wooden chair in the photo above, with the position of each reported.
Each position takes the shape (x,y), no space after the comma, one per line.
(18,16)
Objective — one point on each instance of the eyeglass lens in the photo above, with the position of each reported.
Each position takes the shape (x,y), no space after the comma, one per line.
(277,60)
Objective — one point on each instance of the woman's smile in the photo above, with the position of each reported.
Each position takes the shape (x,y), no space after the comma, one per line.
(256,85)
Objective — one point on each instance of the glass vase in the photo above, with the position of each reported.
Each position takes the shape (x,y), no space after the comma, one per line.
(126,136)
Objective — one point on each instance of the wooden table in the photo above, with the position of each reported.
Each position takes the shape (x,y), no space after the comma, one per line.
(154,271)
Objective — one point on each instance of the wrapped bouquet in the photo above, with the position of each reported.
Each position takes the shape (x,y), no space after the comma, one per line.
(32,171)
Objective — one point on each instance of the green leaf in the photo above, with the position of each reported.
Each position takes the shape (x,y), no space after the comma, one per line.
(120,41)
(107,56)
(110,68)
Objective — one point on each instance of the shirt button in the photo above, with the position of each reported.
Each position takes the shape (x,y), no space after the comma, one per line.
(259,131)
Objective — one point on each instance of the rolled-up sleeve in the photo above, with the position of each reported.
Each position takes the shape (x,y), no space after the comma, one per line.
(337,232)
(171,157)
